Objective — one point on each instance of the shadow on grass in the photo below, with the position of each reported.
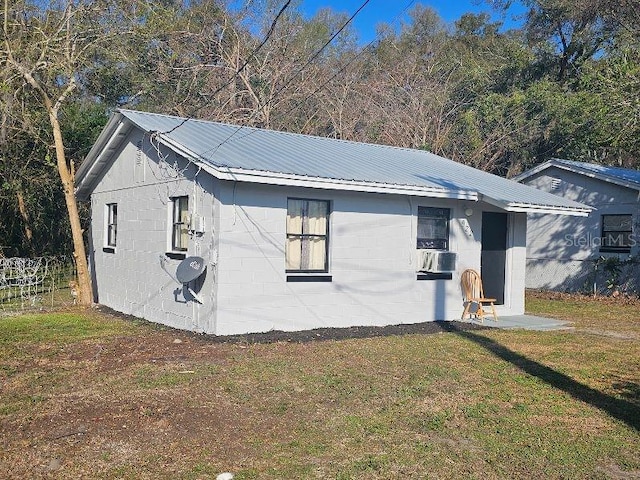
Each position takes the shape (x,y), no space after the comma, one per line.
(623,410)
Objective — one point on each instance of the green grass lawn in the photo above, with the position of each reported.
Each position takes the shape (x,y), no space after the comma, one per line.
(85,395)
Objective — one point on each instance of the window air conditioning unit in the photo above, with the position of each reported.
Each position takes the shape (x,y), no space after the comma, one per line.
(437,261)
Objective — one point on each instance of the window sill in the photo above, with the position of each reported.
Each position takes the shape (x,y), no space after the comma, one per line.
(434,276)
(615,250)
(323,277)
(109,249)
(176,255)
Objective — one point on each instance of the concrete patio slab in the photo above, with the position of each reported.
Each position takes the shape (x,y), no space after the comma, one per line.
(525,322)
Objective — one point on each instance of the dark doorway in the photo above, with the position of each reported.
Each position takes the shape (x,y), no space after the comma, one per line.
(493,257)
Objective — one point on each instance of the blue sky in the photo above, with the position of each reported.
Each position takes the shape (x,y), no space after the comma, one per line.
(378,11)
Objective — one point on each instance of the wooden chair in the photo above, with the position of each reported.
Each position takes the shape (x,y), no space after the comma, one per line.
(474,296)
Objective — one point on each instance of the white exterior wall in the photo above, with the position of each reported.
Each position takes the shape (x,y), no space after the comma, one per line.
(372,262)
(516,264)
(372,253)
(131,279)
(560,249)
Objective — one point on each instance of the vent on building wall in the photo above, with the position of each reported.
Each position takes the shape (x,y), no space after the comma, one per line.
(556,183)
(139,171)
(139,152)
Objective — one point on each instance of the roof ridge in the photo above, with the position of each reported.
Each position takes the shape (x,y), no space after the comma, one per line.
(599,165)
(283,132)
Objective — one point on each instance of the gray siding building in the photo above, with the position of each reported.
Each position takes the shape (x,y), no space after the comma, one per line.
(562,251)
(294,232)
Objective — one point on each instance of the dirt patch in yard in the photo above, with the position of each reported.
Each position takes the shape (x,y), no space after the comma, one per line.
(148,401)
(115,406)
(610,334)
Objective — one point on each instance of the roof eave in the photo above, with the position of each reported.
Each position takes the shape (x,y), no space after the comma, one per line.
(273,178)
(583,211)
(558,163)
(532,171)
(294,180)
(98,157)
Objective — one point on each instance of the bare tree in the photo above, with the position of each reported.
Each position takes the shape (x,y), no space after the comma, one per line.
(50,47)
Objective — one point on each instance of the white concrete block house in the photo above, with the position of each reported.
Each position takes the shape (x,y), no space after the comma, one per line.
(297,232)
(561,250)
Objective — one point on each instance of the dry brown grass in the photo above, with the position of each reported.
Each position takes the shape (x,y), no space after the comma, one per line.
(94,396)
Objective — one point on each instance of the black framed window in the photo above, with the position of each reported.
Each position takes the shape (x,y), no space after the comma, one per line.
(617,233)
(433,228)
(307,235)
(112,224)
(180,224)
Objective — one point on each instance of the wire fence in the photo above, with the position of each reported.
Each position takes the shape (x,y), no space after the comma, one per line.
(36,283)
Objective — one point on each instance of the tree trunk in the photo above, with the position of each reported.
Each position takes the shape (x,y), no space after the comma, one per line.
(85,294)
(22,207)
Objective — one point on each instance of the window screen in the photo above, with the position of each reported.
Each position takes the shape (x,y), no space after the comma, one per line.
(433,228)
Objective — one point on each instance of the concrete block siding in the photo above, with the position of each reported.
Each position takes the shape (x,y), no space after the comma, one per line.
(562,250)
(372,262)
(137,277)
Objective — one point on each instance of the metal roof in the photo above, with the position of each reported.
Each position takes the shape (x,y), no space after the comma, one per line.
(626,177)
(268,156)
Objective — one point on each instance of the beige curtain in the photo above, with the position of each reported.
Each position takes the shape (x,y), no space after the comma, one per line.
(112,225)
(317,225)
(294,227)
(184,220)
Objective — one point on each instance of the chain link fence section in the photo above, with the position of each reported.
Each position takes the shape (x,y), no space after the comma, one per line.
(589,276)
(36,283)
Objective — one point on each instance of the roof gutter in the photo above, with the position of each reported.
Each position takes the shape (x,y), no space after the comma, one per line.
(540,208)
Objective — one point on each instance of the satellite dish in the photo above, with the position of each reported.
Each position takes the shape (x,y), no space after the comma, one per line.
(190,268)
